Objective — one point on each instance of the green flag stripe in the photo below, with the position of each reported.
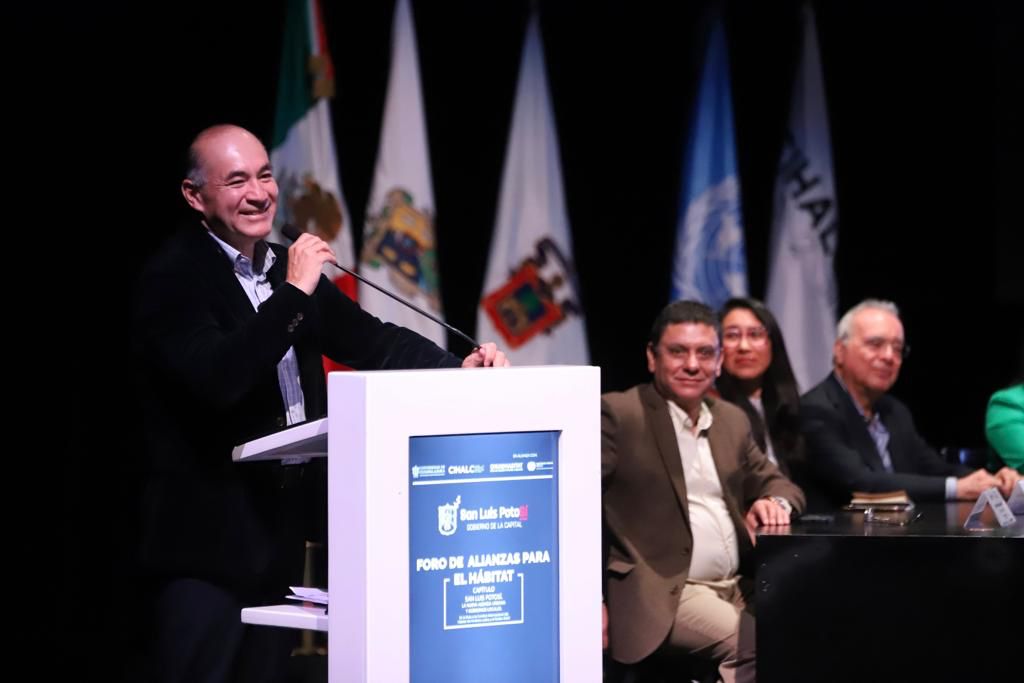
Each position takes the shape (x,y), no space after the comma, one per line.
(294,93)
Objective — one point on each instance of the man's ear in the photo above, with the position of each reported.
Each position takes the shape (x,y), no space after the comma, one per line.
(192,194)
(839,353)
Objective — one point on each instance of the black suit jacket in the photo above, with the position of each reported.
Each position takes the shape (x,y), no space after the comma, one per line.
(843,458)
(207,369)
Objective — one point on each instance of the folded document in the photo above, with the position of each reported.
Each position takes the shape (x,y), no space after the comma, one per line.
(305,594)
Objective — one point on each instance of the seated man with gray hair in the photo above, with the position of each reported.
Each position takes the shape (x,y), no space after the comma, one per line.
(859,438)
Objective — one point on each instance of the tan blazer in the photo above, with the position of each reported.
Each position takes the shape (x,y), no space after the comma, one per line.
(646,513)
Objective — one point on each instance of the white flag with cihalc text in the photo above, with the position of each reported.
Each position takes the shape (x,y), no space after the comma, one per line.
(801,280)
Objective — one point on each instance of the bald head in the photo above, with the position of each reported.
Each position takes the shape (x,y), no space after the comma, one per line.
(231,184)
(195,171)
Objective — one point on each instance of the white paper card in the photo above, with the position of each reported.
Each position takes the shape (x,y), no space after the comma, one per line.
(991,498)
(314,595)
(1016,500)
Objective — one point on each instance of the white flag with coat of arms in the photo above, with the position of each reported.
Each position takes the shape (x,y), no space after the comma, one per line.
(530,303)
(399,249)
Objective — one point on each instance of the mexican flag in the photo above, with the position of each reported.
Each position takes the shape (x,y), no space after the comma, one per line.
(302,153)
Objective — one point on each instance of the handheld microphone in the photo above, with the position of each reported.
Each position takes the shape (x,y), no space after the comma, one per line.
(293,233)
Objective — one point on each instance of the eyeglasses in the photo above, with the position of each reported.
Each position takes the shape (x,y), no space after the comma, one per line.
(756,336)
(878,345)
(705,354)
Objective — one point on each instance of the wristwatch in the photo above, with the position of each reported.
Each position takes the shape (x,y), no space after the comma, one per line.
(782,503)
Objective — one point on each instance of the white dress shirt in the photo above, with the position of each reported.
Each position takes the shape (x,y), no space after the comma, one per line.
(716,552)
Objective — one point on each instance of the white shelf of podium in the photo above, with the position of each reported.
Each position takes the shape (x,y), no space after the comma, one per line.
(287,616)
(304,440)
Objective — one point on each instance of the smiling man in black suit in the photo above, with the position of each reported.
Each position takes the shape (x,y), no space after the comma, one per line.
(229,335)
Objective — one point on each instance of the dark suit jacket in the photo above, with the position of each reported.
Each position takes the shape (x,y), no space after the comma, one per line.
(843,457)
(646,509)
(788,450)
(207,368)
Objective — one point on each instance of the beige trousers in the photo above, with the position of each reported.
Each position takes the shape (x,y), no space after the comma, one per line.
(713,622)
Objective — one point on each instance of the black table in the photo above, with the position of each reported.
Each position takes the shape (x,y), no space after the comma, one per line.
(856,601)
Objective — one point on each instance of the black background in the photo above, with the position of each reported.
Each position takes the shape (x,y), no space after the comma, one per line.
(924,105)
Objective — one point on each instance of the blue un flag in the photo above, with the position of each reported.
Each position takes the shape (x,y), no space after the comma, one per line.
(710,260)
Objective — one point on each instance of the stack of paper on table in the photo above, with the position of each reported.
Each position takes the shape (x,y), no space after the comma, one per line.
(862,500)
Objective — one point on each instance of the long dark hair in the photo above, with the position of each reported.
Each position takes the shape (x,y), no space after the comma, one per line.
(779,395)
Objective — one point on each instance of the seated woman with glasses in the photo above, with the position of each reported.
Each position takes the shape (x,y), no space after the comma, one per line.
(756,376)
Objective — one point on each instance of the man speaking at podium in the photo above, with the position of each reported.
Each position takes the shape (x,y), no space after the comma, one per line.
(229,333)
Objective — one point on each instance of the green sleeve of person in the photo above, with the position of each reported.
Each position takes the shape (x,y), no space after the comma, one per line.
(1004,425)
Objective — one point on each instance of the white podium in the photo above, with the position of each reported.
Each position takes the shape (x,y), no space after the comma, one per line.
(464,525)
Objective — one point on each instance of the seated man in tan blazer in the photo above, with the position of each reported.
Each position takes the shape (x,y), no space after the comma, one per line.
(684,486)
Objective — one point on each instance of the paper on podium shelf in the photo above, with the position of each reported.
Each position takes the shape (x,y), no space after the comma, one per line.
(306,594)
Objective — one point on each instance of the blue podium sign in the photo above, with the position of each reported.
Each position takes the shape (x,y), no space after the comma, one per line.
(483,575)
